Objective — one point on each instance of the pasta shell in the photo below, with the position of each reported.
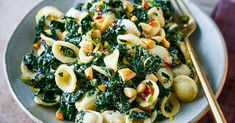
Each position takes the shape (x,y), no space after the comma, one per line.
(185,88)
(90,117)
(144,103)
(49,41)
(86,46)
(83,57)
(175,106)
(74,13)
(105,22)
(39,101)
(130,27)
(165,76)
(65,78)
(150,30)
(49,11)
(161,52)
(128,120)
(157,14)
(113,116)
(86,102)
(26,73)
(60,56)
(130,40)
(111,61)
(182,70)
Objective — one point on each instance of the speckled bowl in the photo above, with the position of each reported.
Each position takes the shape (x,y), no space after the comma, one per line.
(207,41)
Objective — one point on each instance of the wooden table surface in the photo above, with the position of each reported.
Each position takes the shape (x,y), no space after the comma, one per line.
(13,11)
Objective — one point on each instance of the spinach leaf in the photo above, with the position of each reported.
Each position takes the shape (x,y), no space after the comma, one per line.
(165,6)
(141,14)
(72,97)
(30,61)
(142,62)
(113,97)
(134,115)
(67,104)
(110,35)
(68,52)
(39,28)
(72,27)
(79,117)
(86,24)
(54,25)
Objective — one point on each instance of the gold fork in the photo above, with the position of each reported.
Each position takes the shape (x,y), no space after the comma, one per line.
(181,8)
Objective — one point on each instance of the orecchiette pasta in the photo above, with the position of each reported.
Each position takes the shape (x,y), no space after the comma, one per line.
(89,116)
(83,56)
(65,78)
(150,30)
(105,21)
(113,116)
(111,61)
(26,73)
(157,14)
(130,40)
(130,27)
(185,88)
(147,103)
(49,41)
(74,13)
(128,120)
(49,12)
(87,102)
(165,76)
(39,101)
(56,50)
(182,70)
(162,53)
(170,106)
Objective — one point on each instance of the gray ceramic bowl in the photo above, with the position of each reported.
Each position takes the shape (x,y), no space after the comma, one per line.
(207,41)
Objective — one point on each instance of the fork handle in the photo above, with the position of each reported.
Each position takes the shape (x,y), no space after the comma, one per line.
(218,114)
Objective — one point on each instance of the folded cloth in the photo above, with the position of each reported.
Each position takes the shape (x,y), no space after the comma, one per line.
(224,16)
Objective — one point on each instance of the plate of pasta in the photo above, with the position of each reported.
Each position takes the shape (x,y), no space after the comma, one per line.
(112,61)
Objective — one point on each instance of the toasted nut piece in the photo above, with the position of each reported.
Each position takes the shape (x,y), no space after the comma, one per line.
(59,115)
(130,92)
(102,87)
(134,18)
(96,33)
(165,43)
(36,46)
(126,74)
(86,46)
(150,43)
(89,73)
(145,4)
(151,77)
(128,6)
(141,88)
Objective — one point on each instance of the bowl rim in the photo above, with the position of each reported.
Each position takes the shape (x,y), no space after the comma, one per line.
(194,120)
